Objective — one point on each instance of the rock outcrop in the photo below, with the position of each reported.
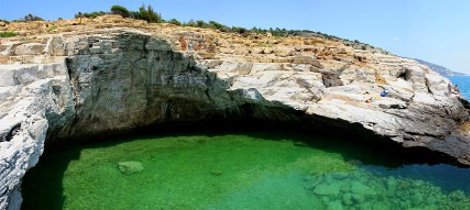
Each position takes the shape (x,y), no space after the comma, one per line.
(86,80)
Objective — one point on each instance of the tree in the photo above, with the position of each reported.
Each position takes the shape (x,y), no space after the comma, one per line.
(201,24)
(191,23)
(29,17)
(239,30)
(78,15)
(219,26)
(120,10)
(148,14)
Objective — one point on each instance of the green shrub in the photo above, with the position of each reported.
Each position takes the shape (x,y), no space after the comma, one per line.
(175,22)
(78,15)
(147,14)
(51,28)
(191,23)
(8,34)
(27,18)
(136,15)
(239,30)
(120,10)
(201,24)
(219,26)
(30,17)
(90,15)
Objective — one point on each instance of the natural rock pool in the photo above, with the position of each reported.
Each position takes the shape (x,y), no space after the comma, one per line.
(241,170)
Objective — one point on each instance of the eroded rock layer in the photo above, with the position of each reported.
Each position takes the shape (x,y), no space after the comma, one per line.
(84,80)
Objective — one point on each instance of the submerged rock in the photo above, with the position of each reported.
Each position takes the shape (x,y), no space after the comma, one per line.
(335,205)
(217,173)
(130,167)
(403,184)
(361,189)
(382,193)
(348,199)
(339,175)
(327,189)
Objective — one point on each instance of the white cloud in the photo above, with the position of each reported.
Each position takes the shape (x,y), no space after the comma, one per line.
(396,38)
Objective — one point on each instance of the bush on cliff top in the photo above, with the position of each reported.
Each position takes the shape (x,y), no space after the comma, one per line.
(175,22)
(120,10)
(29,18)
(148,14)
(145,13)
(90,15)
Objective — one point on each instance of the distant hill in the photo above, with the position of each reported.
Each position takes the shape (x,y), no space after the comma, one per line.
(440,69)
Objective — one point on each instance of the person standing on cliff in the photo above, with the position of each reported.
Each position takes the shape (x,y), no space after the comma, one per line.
(453,90)
(457,90)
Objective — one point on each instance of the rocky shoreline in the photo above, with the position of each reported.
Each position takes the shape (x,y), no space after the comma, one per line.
(86,80)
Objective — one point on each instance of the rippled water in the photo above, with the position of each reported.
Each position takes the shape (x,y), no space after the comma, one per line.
(464,85)
(242,170)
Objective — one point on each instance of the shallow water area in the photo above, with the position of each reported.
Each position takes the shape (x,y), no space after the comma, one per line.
(240,170)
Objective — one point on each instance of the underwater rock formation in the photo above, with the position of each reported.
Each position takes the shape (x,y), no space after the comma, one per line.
(130,167)
(90,81)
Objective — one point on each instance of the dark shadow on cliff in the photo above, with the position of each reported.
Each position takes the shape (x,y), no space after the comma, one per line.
(42,186)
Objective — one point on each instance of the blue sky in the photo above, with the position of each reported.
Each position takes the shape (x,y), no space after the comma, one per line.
(434,30)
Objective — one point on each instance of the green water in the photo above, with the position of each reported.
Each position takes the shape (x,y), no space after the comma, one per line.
(241,170)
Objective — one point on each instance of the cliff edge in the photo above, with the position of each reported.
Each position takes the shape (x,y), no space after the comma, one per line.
(110,74)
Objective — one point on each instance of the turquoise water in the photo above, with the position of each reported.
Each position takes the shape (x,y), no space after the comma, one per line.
(464,85)
(265,170)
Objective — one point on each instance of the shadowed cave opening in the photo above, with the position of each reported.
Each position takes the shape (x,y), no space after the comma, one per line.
(404,74)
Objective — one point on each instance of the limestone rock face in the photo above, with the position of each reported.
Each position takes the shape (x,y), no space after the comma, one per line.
(27,100)
(108,81)
(87,80)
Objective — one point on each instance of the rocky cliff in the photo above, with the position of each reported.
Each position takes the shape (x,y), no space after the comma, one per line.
(111,74)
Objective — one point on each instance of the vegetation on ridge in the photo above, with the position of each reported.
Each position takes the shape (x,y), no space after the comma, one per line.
(8,34)
(120,10)
(148,14)
(28,18)
(144,13)
(51,29)
(90,15)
